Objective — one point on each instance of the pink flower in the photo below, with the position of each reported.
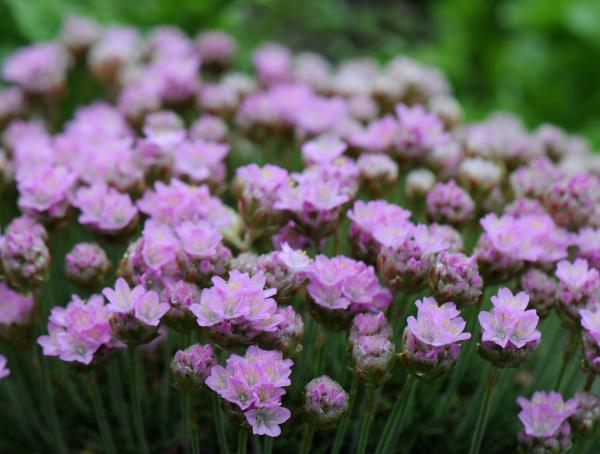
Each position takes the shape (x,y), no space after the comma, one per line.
(122,298)
(149,310)
(543,415)
(160,245)
(200,161)
(418,131)
(509,325)
(15,308)
(323,149)
(40,68)
(254,383)
(105,209)
(240,307)
(198,239)
(577,274)
(266,421)
(437,325)
(77,331)
(590,320)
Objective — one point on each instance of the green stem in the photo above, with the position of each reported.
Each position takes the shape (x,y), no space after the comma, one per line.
(457,375)
(268,445)
(51,414)
(242,441)
(484,413)
(340,435)
(367,421)
(138,421)
(565,359)
(219,424)
(118,402)
(108,444)
(309,433)
(395,419)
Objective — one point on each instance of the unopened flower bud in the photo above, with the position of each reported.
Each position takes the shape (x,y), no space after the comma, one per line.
(87,265)
(325,402)
(455,277)
(191,366)
(25,259)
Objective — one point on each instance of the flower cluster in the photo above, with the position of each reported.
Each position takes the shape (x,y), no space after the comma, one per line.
(431,340)
(340,287)
(254,384)
(134,313)
(545,426)
(237,310)
(190,367)
(79,332)
(509,335)
(578,289)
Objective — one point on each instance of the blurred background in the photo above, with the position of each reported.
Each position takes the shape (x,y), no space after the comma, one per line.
(536,58)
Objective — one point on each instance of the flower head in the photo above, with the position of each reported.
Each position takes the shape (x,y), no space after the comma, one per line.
(543,415)
(254,384)
(325,401)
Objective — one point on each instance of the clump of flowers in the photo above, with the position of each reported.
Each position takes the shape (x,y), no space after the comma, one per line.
(339,287)
(79,332)
(545,422)
(237,310)
(134,313)
(431,341)
(509,335)
(202,254)
(253,385)
(448,203)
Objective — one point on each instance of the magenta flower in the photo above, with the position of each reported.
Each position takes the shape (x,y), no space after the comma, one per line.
(340,287)
(284,270)
(432,339)
(577,288)
(201,161)
(87,265)
(509,333)
(78,331)
(323,149)
(190,367)
(202,254)
(44,191)
(314,204)
(572,202)
(215,47)
(209,128)
(135,313)
(588,244)
(542,290)
(455,277)
(266,420)
(378,136)
(372,216)
(437,325)
(325,401)
(543,415)
(177,202)
(4,371)
(160,245)
(272,63)
(15,308)
(38,69)
(237,310)
(449,203)
(24,257)
(418,131)
(104,209)
(254,384)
